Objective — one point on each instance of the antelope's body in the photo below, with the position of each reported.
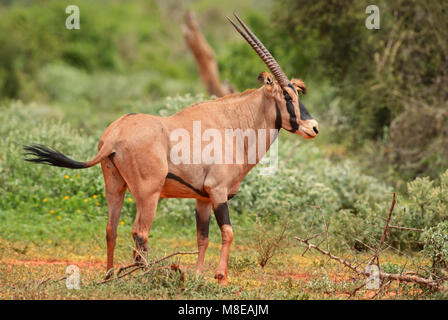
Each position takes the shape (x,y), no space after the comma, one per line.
(135,154)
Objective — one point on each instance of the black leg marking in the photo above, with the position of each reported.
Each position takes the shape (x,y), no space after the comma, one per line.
(222,214)
(230,196)
(140,243)
(202,226)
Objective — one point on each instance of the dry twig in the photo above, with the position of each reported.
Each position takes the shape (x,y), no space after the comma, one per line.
(410,277)
(147,266)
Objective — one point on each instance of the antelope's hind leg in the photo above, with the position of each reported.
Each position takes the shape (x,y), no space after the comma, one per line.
(115,191)
(146,203)
(202,211)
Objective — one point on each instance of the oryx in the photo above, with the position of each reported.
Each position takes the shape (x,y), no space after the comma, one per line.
(135,154)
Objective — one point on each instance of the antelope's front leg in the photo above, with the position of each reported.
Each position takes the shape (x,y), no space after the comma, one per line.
(222,217)
(203,210)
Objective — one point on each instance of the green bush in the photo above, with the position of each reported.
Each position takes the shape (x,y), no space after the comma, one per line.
(307,190)
(436,248)
(391,83)
(121,37)
(306,187)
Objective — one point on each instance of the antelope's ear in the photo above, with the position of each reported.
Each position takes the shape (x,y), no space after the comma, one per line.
(299,85)
(266,78)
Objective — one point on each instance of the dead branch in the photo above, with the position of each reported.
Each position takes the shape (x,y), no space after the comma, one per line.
(383,275)
(411,277)
(405,228)
(329,254)
(204,57)
(147,266)
(386,228)
(49,279)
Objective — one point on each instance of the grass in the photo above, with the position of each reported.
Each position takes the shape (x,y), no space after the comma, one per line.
(53,217)
(25,272)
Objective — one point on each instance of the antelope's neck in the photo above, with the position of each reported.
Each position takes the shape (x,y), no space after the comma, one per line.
(255,111)
(259,113)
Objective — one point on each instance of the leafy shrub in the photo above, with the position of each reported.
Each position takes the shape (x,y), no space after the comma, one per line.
(308,190)
(103,90)
(271,240)
(376,73)
(436,247)
(307,187)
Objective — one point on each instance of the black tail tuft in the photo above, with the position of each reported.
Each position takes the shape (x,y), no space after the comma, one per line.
(51,157)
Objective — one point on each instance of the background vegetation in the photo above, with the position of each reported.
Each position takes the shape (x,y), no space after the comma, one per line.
(380,97)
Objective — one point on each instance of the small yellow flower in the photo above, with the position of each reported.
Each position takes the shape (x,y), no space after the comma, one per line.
(79,211)
(130,200)
(49,241)
(59,217)
(97,203)
(86,200)
(104,195)
(52,211)
(66,198)
(95,196)
(122,223)
(66,176)
(45,199)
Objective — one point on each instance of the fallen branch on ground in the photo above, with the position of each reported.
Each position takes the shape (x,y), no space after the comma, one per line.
(409,276)
(147,266)
(383,275)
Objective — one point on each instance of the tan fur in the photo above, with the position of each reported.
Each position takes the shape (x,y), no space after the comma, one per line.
(135,155)
(134,152)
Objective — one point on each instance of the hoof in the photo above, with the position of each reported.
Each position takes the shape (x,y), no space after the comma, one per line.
(137,257)
(109,274)
(222,278)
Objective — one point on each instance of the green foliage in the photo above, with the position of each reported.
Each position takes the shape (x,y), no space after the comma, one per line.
(436,247)
(120,37)
(391,83)
(307,187)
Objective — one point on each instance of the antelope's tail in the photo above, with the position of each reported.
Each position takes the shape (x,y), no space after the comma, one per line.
(41,154)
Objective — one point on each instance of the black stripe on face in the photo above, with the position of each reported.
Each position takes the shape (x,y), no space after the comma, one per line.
(292,113)
(304,114)
(180,180)
(278,117)
(222,214)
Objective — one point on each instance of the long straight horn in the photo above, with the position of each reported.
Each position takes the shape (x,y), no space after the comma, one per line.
(261,50)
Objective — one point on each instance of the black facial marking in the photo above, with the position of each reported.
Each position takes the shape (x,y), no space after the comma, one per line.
(130,114)
(292,113)
(222,214)
(304,114)
(292,87)
(202,226)
(278,117)
(179,179)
